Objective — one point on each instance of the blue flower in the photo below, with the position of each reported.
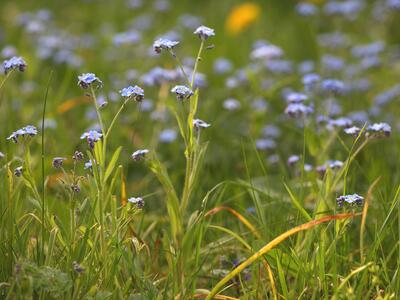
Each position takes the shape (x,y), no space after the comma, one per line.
(92,137)
(198,124)
(296,97)
(333,86)
(15,62)
(133,92)
(88,165)
(87,79)
(354,130)
(139,155)
(182,92)
(298,109)
(350,199)
(379,129)
(204,32)
(306,9)
(138,201)
(293,159)
(164,44)
(28,130)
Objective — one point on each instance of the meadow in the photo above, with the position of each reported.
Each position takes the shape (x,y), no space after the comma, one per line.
(165,149)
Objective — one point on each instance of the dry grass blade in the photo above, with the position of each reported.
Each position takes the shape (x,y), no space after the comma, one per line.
(254,231)
(273,244)
(240,217)
(364,217)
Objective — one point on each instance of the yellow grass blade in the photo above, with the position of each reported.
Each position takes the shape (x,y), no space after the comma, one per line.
(255,232)
(275,242)
(237,215)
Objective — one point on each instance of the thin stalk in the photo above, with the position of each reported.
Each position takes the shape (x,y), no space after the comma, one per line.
(180,65)
(5,79)
(100,189)
(116,118)
(43,212)
(196,64)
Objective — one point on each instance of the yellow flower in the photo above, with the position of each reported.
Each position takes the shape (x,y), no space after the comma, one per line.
(241,17)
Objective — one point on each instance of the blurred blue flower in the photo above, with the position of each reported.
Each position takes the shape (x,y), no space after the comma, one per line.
(352,200)
(28,130)
(132,92)
(15,62)
(138,201)
(139,155)
(182,92)
(204,32)
(87,79)
(379,129)
(164,44)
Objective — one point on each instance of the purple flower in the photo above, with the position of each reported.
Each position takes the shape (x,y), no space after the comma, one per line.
(138,201)
(133,92)
(58,162)
(87,79)
(333,86)
(15,62)
(204,32)
(182,92)
(139,155)
(298,109)
(350,199)
(296,97)
(164,44)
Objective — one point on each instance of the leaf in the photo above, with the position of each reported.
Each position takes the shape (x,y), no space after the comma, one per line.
(111,165)
(296,203)
(172,199)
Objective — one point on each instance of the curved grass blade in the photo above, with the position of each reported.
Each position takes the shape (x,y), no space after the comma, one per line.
(275,242)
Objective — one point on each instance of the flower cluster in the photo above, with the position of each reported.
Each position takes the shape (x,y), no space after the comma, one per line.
(204,32)
(89,79)
(139,155)
(182,92)
(352,200)
(133,92)
(15,62)
(23,132)
(92,137)
(164,44)
(137,201)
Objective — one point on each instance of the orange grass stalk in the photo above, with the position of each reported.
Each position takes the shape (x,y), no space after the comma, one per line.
(273,244)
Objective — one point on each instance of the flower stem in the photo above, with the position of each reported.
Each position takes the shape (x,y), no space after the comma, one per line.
(115,118)
(196,64)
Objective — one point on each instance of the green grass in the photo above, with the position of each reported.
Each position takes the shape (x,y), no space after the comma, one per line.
(220,220)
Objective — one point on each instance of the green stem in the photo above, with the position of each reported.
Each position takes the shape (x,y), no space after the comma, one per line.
(43,212)
(116,118)
(198,58)
(5,79)
(180,65)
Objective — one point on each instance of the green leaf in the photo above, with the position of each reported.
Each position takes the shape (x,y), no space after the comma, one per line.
(296,203)
(111,165)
